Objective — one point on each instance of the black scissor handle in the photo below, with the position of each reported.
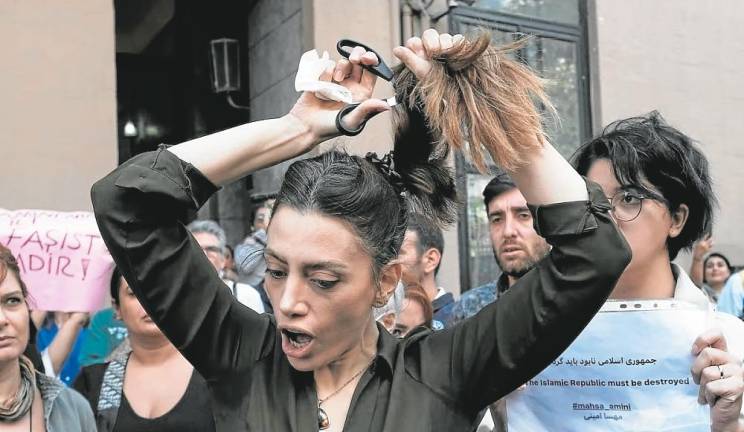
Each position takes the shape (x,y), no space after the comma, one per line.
(339,121)
(381,69)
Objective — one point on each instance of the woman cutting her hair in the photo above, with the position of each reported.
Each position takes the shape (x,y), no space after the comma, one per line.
(322,362)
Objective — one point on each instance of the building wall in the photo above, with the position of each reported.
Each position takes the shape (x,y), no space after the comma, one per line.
(685,59)
(58,105)
(276,40)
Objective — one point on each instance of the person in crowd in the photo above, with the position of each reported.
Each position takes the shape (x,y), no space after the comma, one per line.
(60,339)
(321,361)
(229,272)
(151,387)
(262,216)
(251,265)
(105,332)
(663,203)
(249,257)
(213,241)
(420,256)
(517,248)
(30,400)
(731,298)
(659,187)
(709,270)
(417,311)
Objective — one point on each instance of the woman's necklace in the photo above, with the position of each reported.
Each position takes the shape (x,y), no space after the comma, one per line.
(323,421)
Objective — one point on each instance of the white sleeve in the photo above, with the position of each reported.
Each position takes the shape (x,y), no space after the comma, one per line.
(48,365)
(249,296)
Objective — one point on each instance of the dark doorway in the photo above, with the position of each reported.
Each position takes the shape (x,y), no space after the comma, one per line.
(163,78)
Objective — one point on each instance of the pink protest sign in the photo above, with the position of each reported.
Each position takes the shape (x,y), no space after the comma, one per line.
(62,258)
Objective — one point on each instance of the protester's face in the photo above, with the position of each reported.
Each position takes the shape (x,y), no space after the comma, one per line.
(137,321)
(319,280)
(410,259)
(516,245)
(410,317)
(716,271)
(647,234)
(211,246)
(14,319)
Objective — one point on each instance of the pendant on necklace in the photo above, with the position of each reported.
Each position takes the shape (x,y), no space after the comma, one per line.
(323,422)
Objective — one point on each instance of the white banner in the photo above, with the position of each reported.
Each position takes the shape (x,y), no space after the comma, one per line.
(629,370)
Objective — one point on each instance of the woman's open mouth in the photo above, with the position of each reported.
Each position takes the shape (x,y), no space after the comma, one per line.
(295,343)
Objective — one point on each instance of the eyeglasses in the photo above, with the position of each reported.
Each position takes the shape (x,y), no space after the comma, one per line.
(627,205)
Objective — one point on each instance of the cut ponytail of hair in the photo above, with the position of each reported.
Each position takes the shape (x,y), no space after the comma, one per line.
(474,99)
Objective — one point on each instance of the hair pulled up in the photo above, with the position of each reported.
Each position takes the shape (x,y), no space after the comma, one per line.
(353,190)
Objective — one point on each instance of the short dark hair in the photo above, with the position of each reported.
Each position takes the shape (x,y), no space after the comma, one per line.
(428,234)
(498,185)
(647,149)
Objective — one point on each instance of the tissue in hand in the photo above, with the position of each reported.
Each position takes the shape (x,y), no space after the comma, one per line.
(310,68)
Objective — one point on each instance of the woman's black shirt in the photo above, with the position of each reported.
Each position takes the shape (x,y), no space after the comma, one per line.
(425,382)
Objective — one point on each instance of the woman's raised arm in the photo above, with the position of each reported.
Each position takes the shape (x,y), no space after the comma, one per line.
(142,206)
(513,339)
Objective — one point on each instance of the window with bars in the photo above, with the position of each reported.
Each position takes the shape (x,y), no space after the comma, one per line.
(556,49)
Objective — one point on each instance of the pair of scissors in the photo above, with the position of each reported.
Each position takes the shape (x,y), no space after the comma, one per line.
(344,47)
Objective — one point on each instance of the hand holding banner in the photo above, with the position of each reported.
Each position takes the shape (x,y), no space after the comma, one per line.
(62,258)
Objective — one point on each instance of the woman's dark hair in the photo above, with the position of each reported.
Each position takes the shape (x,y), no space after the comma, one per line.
(646,151)
(352,189)
(716,255)
(501,183)
(115,284)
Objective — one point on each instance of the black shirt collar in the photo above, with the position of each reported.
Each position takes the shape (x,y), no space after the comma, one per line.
(387,349)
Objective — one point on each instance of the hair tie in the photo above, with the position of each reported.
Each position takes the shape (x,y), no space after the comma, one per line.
(385,167)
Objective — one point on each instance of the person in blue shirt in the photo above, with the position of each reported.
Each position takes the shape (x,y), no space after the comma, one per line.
(731,299)
(59,340)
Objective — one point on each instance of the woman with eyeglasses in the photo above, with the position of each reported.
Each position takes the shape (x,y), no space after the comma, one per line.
(660,191)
